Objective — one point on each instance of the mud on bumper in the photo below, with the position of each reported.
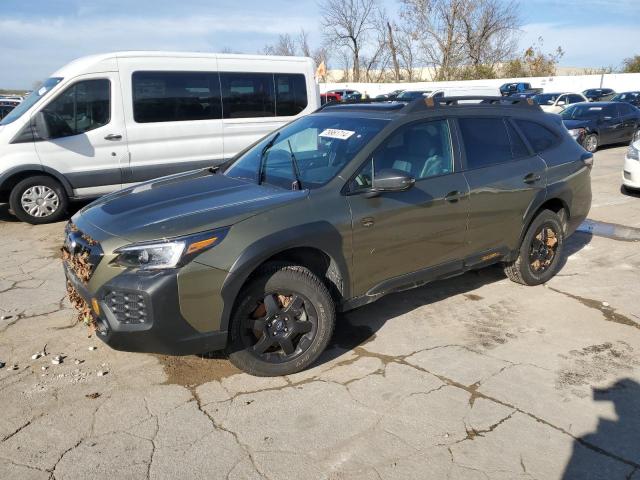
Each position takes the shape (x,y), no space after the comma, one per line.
(140,312)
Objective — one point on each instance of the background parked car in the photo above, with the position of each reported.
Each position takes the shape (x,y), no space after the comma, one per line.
(599,94)
(4,110)
(630,97)
(601,123)
(329,97)
(340,95)
(631,169)
(508,89)
(389,96)
(556,102)
(409,95)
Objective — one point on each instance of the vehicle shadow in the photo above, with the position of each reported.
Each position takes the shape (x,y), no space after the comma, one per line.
(619,438)
(629,193)
(351,331)
(6,215)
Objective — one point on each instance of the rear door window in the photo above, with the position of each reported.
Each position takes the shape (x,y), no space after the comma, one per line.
(539,137)
(486,141)
(247,95)
(291,94)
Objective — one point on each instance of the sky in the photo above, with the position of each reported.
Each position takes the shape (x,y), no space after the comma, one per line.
(39,36)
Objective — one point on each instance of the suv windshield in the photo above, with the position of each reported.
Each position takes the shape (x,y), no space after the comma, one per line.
(316,147)
(28,102)
(586,111)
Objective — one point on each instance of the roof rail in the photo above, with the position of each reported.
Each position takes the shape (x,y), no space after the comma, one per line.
(363,101)
(435,102)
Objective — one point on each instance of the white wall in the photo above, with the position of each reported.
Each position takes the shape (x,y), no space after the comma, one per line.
(620,82)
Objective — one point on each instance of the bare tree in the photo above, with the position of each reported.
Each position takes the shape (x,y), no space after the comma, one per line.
(489,28)
(393,50)
(347,25)
(285,46)
(408,55)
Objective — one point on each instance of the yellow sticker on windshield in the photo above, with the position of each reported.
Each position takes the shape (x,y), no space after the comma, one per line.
(336,133)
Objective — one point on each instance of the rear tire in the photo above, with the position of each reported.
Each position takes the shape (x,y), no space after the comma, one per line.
(39,199)
(539,256)
(282,322)
(590,143)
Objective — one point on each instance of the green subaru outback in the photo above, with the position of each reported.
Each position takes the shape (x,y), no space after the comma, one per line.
(328,213)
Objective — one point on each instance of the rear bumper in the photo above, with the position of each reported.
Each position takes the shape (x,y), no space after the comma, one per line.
(631,173)
(162,329)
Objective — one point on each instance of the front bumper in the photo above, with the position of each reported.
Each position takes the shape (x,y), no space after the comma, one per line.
(157,326)
(631,173)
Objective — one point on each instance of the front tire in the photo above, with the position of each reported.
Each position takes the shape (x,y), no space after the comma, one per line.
(39,199)
(539,257)
(590,143)
(282,322)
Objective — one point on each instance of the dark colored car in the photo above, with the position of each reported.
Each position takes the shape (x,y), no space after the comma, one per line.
(389,96)
(629,97)
(599,94)
(409,95)
(601,123)
(330,212)
(5,109)
(513,88)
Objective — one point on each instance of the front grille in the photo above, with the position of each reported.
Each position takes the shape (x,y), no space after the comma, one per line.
(127,307)
(81,253)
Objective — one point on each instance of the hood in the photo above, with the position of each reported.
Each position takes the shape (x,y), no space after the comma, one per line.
(571,124)
(179,205)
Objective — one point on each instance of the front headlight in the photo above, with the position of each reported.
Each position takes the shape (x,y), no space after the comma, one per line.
(169,253)
(633,153)
(576,132)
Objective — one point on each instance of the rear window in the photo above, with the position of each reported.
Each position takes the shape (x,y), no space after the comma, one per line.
(539,137)
(487,142)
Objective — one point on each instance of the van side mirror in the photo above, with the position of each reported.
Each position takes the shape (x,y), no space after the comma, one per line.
(392,180)
(40,126)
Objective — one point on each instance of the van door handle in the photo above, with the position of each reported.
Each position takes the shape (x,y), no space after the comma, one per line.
(113,136)
(531,178)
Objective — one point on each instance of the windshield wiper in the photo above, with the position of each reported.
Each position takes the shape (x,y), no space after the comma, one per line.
(262,156)
(297,185)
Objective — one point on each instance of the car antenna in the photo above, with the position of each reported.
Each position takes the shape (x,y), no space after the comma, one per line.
(297,184)
(262,155)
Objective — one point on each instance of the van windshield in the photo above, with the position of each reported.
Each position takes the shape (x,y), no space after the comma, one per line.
(31,100)
(311,150)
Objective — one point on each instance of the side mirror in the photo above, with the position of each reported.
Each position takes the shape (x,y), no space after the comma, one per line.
(40,127)
(561,102)
(392,180)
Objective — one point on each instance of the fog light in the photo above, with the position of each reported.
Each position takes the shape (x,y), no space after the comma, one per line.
(95,306)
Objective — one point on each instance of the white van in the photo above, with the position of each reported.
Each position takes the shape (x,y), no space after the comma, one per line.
(107,121)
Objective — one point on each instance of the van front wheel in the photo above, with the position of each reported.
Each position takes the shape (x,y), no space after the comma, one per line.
(37,200)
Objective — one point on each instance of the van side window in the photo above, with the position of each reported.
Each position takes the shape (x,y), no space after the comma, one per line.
(82,107)
(247,95)
(175,96)
(486,141)
(540,137)
(422,150)
(291,94)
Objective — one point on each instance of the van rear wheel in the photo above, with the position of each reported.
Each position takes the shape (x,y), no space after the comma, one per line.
(539,257)
(282,322)
(39,199)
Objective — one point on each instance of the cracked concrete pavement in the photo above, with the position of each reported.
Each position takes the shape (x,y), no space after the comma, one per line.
(472,377)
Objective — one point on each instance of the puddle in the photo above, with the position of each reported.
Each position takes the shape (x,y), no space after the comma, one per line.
(610,230)
(194,370)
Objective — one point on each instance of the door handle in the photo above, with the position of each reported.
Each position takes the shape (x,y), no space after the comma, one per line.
(113,136)
(531,178)
(367,221)
(453,197)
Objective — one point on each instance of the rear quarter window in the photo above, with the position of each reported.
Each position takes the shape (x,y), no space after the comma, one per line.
(539,137)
